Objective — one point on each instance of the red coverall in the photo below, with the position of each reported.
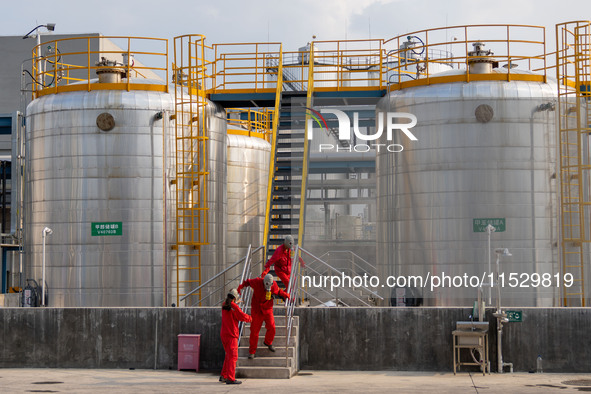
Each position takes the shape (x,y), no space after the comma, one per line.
(282,260)
(262,310)
(229,334)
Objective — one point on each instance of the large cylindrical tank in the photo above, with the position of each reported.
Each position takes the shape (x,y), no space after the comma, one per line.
(103,194)
(248,176)
(95,162)
(485,150)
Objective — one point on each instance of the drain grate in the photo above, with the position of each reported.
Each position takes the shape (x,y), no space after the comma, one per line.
(578,382)
(48,382)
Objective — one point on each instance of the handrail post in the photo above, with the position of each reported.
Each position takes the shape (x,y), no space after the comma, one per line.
(290,304)
(245,271)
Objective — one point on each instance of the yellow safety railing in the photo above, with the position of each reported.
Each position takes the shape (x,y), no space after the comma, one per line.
(245,67)
(419,57)
(250,122)
(192,160)
(413,59)
(70,64)
(339,65)
(573,73)
(347,65)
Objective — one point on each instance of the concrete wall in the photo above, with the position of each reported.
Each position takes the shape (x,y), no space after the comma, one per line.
(331,338)
(420,338)
(106,338)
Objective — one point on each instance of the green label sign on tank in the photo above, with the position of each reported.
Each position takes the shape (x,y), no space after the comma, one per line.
(106,228)
(479,225)
(514,316)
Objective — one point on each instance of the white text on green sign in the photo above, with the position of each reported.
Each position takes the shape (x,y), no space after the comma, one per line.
(479,225)
(106,228)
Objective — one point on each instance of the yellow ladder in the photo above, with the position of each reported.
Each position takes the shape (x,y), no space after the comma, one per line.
(573,61)
(192,161)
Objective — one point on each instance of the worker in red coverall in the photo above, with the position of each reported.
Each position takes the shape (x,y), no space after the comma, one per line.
(231,315)
(281,259)
(262,310)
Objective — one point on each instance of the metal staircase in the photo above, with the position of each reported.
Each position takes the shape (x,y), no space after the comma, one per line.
(281,364)
(290,81)
(288,168)
(284,362)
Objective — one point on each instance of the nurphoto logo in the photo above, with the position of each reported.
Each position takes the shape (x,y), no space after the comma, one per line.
(390,119)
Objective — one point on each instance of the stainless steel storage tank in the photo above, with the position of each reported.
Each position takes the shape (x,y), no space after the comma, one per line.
(248,175)
(485,149)
(95,164)
(100,164)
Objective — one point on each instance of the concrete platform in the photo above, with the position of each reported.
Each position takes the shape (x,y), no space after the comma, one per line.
(164,381)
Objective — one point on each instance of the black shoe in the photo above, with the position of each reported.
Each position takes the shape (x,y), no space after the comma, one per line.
(222,380)
(251,356)
(271,348)
(233,382)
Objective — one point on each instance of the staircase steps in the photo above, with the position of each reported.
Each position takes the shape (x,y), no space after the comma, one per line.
(267,364)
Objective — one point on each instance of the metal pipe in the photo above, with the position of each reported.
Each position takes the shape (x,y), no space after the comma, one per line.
(499,345)
(489,229)
(165,127)
(46,231)
(501,318)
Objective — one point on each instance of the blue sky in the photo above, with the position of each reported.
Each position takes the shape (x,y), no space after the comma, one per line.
(291,22)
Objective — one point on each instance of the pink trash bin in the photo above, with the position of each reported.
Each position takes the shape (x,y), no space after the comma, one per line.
(189,351)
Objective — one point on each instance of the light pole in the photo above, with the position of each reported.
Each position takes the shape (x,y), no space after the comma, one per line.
(49,27)
(46,231)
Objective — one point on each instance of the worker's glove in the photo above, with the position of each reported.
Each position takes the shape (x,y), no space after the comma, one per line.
(265,272)
(239,289)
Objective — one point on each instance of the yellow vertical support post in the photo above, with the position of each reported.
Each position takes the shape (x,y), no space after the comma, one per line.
(309,99)
(276,111)
(310,92)
(583,82)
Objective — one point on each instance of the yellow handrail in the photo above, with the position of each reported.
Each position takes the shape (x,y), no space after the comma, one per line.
(71,61)
(302,219)
(350,65)
(276,111)
(254,123)
(416,58)
(244,66)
